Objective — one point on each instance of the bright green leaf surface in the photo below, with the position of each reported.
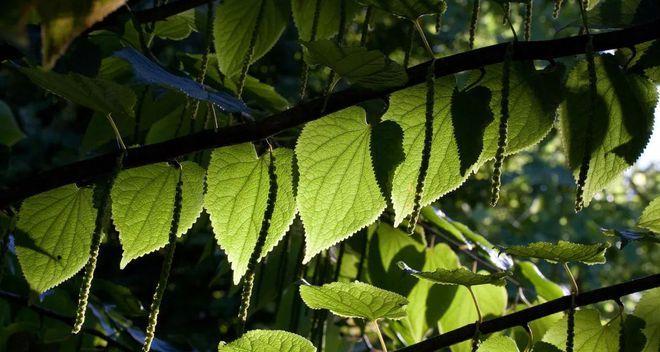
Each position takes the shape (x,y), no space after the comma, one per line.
(338,193)
(329,16)
(621,126)
(498,343)
(97,94)
(10,133)
(457,276)
(648,309)
(268,341)
(410,9)
(235,21)
(355,300)
(142,207)
(544,288)
(361,67)
(192,190)
(562,252)
(53,235)
(650,218)
(237,192)
(590,334)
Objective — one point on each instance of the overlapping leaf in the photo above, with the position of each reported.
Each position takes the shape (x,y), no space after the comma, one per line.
(361,67)
(410,9)
(590,334)
(237,192)
(457,276)
(648,309)
(562,252)
(329,17)
(650,218)
(338,193)
(355,300)
(268,341)
(621,126)
(53,235)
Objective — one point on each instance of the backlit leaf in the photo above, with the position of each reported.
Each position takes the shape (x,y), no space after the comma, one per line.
(590,334)
(498,343)
(650,218)
(457,276)
(268,341)
(562,252)
(648,309)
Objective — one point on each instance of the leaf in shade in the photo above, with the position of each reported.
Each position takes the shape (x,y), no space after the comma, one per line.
(355,300)
(410,9)
(621,13)
(471,115)
(329,17)
(365,68)
(151,73)
(647,309)
(562,252)
(386,152)
(624,236)
(268,341)
(457,276)
(10,133)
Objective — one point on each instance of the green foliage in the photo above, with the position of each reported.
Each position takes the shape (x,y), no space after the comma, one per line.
(650,218)
(623,119)
(10,133)
(647,309)
(562,252)
(590,334)
(458,276)
(355,300)
(498,343)
(268,341)
(337,193)
(409,9)
(361,67)
(54,233)
(303,15)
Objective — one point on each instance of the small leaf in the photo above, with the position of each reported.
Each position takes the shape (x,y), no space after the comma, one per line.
(236,198)
(621,126)
(647,309)
(53,235)
(590,334)
(268,341)
(329,17)
(498,343)
(338,193)
(562,252)
(97,94)
(142,206)
(457,276)
(364,68)
(150,72)
(10,133)
(235,21)
(650,218)
(355,300)
(410,9)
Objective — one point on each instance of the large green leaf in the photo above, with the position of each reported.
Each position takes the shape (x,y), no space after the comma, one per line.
(621,126)
(355,300)
(10,132)
(237,193)
(97,94)
(562,252)
(53,235)
(338,193)
(650,218)
(622,13)
(410,9)
(192,191)
(235,21)
(329,17)
(544,288)
(364,68)
(268,341)
(648,309)
(498,343)
(457,276)
(590,334)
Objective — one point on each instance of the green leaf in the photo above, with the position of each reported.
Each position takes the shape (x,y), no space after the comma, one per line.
(457,276)
(237,192)
(650,218)
(192,191)
(544,288)
(355,300)
(177,27)
(647,309)
(469,132)
(329,17)
(53,235)
(235,20)
(10,133)
(142,207)
(410,9)
(621,126)
(562,252)
(268,341)
(498,343)
(338,193)
(97,94)
(590,334)
(364,68)
(621,13)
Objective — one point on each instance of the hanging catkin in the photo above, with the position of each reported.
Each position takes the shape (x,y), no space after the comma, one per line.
(528,19)
(570,325)
(304,73)
(247,60)
(426,150)
(248,282)
(557,8)
(90,267)
(208,41)
(154,309)
(503,127)
(473,22)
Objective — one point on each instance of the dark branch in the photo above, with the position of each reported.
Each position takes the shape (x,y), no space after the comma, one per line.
(536,50)
(521,318)
(63,318)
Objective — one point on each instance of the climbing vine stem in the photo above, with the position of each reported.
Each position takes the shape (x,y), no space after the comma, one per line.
(154,309)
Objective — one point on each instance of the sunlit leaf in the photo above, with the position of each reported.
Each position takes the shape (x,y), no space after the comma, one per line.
(648,309)
(498,343)
(650,218)
(457,276)
(590,334)
(268,341)
(562,252)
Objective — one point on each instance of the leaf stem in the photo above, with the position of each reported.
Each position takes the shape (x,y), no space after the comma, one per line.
(574,286)
(120,141)
(380,336)
(476,304)
(419,29)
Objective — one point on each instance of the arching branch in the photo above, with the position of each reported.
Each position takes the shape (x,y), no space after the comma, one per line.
(312,110)
(524,316)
